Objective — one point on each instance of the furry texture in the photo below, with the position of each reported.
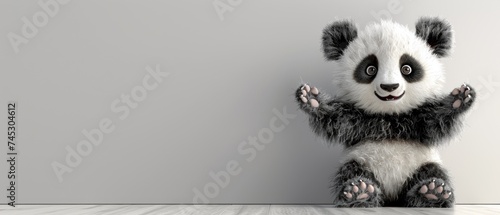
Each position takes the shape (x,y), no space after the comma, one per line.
(353,171)
(429,124)
(409,195)
(392,162)
(389,114)
(388,41)
(391,150)
(437,33)
(360,74)
(336,37)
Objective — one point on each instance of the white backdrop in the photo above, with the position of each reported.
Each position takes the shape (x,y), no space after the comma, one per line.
(189,103)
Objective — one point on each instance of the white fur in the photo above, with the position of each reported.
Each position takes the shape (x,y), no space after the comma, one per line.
(388,41)
(392,162)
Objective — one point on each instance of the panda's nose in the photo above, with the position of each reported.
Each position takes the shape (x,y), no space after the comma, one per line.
(389,87)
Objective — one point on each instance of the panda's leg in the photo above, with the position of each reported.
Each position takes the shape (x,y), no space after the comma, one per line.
(355,186)
(428,187)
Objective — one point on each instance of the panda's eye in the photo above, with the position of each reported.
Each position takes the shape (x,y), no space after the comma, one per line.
(406,69)
(371,70)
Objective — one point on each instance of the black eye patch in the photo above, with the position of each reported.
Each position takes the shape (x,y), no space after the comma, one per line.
(360,75)
(417,71)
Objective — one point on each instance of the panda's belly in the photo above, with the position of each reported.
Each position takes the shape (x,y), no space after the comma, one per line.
(392,162)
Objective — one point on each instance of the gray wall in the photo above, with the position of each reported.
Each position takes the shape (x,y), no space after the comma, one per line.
(230,78)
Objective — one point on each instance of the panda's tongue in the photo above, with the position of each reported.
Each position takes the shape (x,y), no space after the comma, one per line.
(389,97)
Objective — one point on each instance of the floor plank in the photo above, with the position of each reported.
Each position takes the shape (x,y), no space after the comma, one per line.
(237,210)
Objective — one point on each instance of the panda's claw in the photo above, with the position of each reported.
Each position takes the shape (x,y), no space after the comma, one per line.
(348,195)
(462,88)
(467,99)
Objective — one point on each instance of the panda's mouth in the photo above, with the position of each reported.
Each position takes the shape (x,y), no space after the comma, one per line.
(390,97)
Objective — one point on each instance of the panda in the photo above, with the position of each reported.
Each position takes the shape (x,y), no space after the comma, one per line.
(389,112)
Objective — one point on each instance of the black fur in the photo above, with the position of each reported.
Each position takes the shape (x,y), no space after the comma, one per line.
(409,196)
(336,38)
(417,71)
(349,171)
(429,124)
(436,33)
(360,75)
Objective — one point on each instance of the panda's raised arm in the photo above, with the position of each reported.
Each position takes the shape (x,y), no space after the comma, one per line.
(311,101)
(458,101)
(440,119)
(428,124)
(326,116)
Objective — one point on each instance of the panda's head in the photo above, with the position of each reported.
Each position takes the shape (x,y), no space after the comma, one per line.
(386,68)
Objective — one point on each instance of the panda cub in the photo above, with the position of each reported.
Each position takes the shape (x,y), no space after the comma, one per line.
(390,114)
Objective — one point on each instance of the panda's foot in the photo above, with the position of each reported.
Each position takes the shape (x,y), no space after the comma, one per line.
(359,192)
(462,96)
(432,192)
(308,95)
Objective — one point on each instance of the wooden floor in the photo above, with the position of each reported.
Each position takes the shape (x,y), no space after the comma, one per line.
(236,209)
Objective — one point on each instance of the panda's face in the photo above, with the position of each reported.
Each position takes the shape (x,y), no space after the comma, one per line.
(388,69)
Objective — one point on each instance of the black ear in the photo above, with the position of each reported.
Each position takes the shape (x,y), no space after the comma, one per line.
(436,33)
(336,38)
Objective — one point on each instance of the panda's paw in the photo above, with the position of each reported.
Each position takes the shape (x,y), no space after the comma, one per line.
(463,96)
(360,192)
(308,96)
(433,192)
(435,189)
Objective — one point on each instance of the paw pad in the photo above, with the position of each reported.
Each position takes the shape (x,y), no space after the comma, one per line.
(309,95)
(359,190)
(435,190)
(462,96)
